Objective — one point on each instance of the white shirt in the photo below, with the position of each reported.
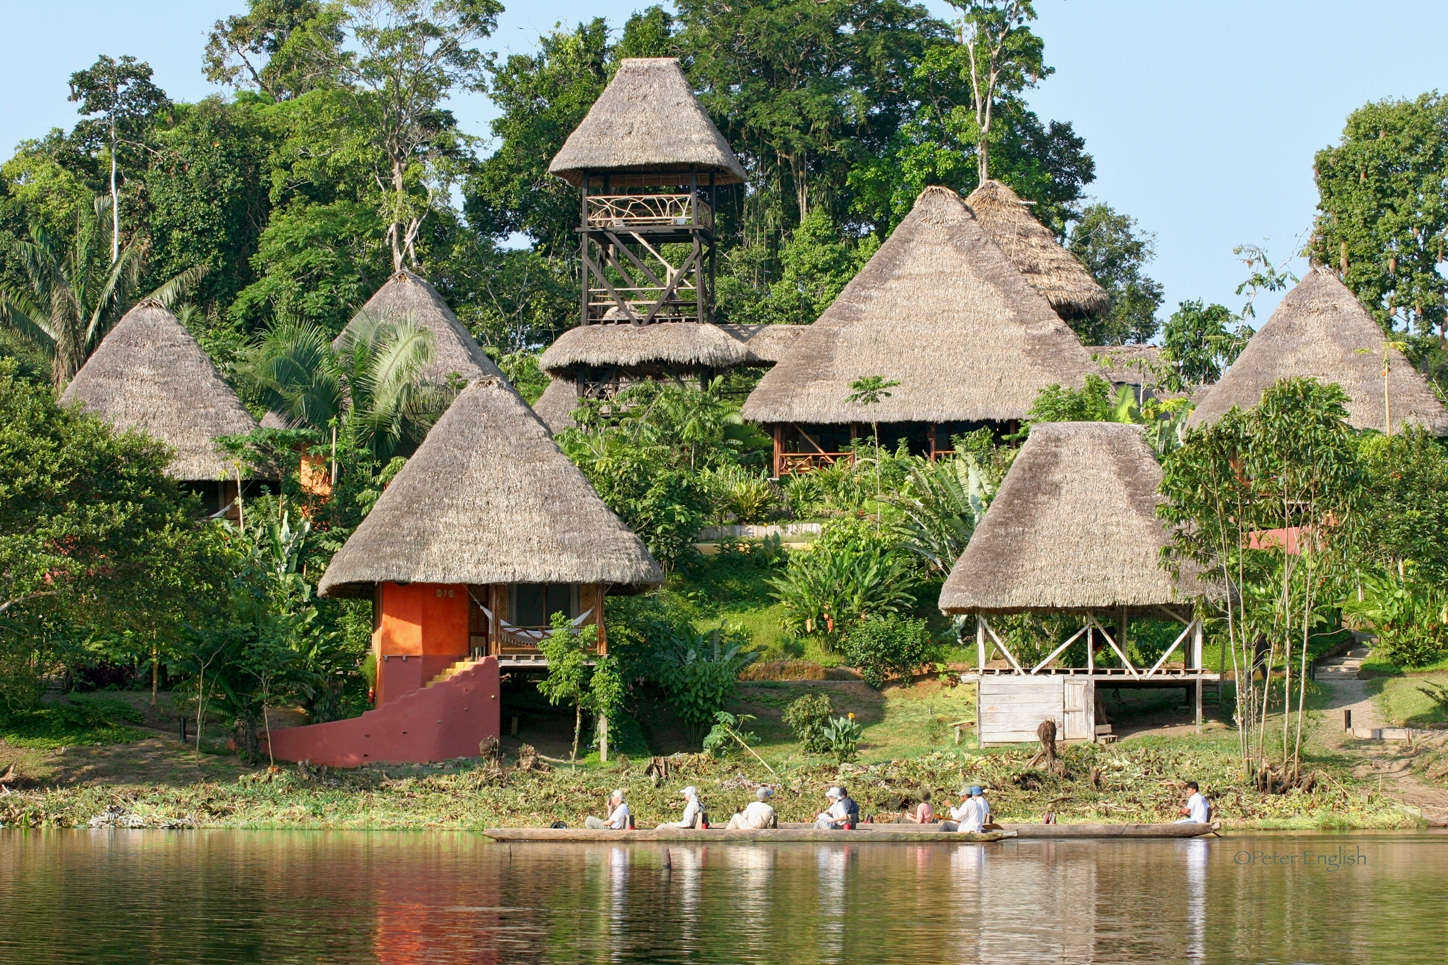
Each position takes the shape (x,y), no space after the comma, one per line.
(974,816)
(618,820)
(757,815)
(1198,809)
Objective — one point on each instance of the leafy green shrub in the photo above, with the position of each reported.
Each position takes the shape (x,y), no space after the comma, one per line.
(852,572)
(699,673)
(886,644)
(1410,617)
(842,735)
(806,718)
(743,494)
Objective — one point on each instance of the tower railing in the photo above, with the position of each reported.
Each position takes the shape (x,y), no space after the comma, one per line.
(649,210)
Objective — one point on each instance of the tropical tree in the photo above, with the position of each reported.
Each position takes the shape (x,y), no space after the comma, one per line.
(1115,252)
(119,102)
(372,388)
(1265,504)
(1199,344)
(75,295)
(1001,56)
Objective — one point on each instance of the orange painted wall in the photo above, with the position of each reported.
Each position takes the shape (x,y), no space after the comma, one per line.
(418,620)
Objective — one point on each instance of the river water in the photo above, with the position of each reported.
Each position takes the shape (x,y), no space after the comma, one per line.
(337,897)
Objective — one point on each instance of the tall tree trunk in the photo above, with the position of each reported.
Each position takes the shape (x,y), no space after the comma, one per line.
(577,728)
(115,202)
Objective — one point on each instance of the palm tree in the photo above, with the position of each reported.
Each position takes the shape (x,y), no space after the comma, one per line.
(76,293)
(372,386)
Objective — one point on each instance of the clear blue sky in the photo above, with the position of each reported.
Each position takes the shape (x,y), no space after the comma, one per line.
(1203,117)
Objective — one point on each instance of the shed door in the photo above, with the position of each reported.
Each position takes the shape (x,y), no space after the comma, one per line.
(1080,710)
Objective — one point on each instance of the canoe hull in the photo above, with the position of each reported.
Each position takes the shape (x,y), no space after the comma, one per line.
(883,834)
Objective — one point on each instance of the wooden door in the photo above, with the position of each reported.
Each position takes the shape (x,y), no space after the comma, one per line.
(1080,710)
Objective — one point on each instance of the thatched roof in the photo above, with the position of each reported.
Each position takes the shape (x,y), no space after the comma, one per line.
(627,345)
(1127,364)
(1032,248)
(555,406)
(942,311)
(149,374)
(766,344)
(489,498)
(1321,330)
(647,123)
(406,297)
(1073,527)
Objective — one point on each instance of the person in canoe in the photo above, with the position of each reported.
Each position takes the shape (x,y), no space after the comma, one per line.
(977,794)
(843,813)
(758,815)
(924,812)
(966,817)
(694,814)
(1196,809)
(617,815)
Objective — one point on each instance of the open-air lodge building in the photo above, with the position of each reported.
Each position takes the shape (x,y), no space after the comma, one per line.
(940,310)
(150,374)
(484,534)
(1322,331)
(647,161)
(1073,531)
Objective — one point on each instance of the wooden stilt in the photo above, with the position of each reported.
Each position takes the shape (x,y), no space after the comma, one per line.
(980,643)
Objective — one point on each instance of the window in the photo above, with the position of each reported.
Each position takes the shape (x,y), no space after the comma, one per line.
(535,603)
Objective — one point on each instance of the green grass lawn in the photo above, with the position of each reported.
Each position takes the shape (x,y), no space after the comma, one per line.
(1402,702)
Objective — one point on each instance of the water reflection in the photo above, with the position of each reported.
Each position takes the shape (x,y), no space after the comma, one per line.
(407,899)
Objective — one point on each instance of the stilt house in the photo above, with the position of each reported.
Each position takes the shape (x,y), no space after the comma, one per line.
(1074,531)
(1321,330)
(938,309)
(150,374)
(647,160)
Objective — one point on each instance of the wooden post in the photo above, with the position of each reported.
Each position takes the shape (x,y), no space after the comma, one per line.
(1197,665)
(583,251)
(778,450)
(980,643)
(1090,650)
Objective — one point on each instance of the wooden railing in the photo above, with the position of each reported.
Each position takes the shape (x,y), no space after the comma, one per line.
(648,210)
(794,462)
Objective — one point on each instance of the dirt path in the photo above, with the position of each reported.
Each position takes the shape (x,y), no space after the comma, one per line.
(1389,761)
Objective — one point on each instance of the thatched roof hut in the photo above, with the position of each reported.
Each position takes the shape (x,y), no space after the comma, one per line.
(406,297)
(489,498)
(150,374)
(687,344)
(1321,330)
(942,311)
(647,123)
(765,344)
(1031,247)
(555,406)
(1073,527)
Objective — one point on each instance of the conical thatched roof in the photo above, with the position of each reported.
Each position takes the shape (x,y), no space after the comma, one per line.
(555,406)
(942,311)
(405,296)
(647,122)
(1321,330)
(149,374)
(489,498)
(1032,248)
(661,343)
(1073,527)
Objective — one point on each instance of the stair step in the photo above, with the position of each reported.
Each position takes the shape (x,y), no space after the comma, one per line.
(452,671)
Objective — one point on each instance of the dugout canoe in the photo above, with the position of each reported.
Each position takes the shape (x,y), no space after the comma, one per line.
(879,834)
(1068,831)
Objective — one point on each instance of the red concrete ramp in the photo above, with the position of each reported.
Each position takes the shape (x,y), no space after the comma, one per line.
(435,723)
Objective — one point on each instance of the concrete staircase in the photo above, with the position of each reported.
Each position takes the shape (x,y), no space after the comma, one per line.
(1345,667)
(453,670)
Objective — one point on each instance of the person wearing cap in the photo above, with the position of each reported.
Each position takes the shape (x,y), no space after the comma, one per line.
(694,815)
(758,815)
(977,796)
(969,816)
(832,818)
(617,815)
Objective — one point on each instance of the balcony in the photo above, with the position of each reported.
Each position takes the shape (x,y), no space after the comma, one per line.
(649,211)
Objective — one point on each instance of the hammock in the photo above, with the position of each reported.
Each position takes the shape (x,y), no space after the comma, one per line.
(525,636)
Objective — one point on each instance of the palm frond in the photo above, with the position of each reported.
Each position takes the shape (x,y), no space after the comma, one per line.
(180,285)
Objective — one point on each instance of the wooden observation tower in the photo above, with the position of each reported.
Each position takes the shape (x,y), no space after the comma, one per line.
(647,160)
